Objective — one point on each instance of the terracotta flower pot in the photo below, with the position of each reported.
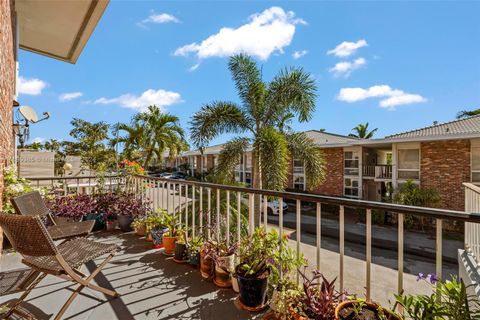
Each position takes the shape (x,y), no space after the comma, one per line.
(206,266)
(223,271)
(141,231)
(169,244)
(368,305)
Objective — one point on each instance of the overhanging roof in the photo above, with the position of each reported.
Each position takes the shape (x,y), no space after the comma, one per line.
(58,28)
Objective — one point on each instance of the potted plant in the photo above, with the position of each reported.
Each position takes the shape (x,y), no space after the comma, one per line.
(181,251)
(78,207)
(206,262)
(223,259)
(170,237)
(449,300)
(155,228)
(256,258)
(318,298)
(139,225)
(194,246)
(359,309)
(285,301)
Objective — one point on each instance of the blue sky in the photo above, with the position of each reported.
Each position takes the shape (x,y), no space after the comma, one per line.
(396,65)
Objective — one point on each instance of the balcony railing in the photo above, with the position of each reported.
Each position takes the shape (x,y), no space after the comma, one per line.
(183,201)
(380,171)
(472,230)
(213,203)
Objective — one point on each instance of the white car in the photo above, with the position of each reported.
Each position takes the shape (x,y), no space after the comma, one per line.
(273,207)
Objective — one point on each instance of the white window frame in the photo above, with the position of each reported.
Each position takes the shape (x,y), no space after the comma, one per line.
(410,146)
(351,178)
(301,185)
(474,146)
(354,152)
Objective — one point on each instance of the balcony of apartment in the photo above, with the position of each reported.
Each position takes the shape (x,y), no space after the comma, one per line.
(366,258)
(379,172)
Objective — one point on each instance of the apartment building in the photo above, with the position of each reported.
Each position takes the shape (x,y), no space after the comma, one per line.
(441,156)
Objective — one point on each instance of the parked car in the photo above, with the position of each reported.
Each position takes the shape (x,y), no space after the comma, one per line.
(273,207)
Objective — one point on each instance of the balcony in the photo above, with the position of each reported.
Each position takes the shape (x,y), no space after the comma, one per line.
(365,258)
(380,172)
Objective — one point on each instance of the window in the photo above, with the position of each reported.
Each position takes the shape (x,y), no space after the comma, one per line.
(351,188)
(476,164)
(351,163)
(408,163)
(299,183)
(248,178)
(215,161)
(298,166)
(249,162)
(238,176)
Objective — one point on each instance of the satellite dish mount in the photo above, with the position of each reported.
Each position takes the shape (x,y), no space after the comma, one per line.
(25,116)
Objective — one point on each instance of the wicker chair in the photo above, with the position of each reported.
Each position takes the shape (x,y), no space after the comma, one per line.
(30,238)
(32,204)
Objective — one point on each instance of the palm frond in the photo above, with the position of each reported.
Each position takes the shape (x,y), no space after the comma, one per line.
(292,90)
(272,148)
(303,148)
(229,158)
(248,81)
(217,118)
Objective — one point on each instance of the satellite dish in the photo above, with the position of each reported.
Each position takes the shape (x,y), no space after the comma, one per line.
(28,113)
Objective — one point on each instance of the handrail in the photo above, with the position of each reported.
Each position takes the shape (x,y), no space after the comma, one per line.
(69,178)
(347,202)
(472,186)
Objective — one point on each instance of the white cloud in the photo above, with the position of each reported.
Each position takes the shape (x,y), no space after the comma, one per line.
(161,98)
(32,87)
(39,140)
(194,67)
(69,96)
(265,33)
(346,48)
(390,97)
(345,68)
(159,18)
(298,54)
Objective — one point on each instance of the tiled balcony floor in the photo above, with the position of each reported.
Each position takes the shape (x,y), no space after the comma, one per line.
(151,286)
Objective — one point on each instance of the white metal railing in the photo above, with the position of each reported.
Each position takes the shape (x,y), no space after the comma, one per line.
(219,209)
(472,230)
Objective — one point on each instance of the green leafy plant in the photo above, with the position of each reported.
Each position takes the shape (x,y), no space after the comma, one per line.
(15,186)
(171,222)
(449,301)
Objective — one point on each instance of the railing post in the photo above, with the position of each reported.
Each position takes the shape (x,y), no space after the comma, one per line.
(400,253)
(265,212)
(193,211)
(342,244)
(239,215)
(299,234)
(209,212)
(250,214)
(319,233)
(200,205)
(368,254)
(439,247)
(218,214)
(227,227)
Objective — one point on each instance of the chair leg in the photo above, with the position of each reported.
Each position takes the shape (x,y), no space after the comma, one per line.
(86,283)
(15,305)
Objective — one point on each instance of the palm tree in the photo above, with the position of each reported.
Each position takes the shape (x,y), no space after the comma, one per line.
(263,109)
(153,132)
(465,114)
(361,131)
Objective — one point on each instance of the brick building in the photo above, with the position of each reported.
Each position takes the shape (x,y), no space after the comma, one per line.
(441,157)
(58,29)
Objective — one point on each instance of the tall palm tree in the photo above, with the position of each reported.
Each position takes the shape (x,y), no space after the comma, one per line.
(153,132)
(361,131)
(263,108)
(465,114)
